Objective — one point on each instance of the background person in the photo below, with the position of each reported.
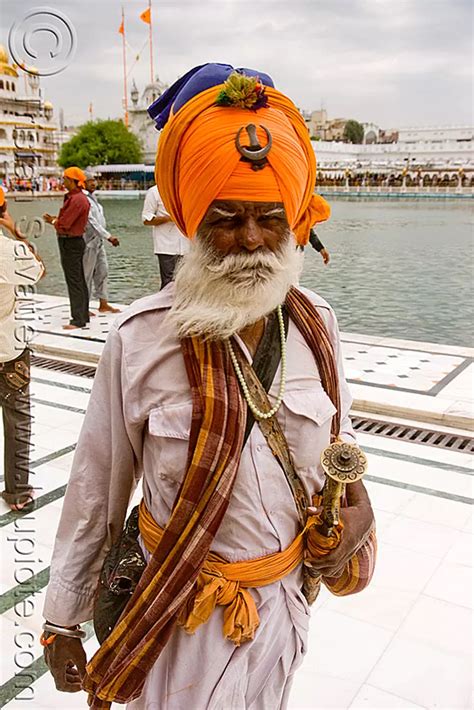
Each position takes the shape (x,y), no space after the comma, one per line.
(317,244)
(70,225)
(19,267)
(168,242)
(95,258)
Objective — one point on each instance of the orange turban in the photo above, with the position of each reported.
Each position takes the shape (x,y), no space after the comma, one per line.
(76,174)
(198,161)
(2,197)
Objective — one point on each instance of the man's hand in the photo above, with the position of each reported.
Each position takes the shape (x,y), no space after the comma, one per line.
(156,221)
(66,659)
(325,256)
(48,218)
(358,519)
(114,241)
(6,220)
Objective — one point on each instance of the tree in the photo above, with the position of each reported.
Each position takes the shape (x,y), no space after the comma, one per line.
(353,132)
(101,143)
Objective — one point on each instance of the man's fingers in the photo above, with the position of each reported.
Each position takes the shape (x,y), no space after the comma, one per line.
(70,677)
(326,570)
(329,570)
(71,670)
(81,663)
(312,510)
(66,684)
(69,687)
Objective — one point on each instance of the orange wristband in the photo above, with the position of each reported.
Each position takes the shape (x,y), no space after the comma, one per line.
(47,641)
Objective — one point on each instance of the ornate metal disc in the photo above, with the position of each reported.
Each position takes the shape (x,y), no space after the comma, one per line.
(344,462)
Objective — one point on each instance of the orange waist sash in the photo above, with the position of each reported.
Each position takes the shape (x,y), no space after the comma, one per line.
(227,583)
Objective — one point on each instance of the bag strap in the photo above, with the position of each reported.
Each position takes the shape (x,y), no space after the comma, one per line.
(275,437)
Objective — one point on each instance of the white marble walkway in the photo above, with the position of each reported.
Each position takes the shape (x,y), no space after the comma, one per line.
(403,643)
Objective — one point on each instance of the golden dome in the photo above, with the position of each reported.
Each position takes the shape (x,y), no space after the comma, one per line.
(48,105)
(5,67)
(32,70)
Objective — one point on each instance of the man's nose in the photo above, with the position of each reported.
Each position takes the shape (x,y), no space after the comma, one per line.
(251,235)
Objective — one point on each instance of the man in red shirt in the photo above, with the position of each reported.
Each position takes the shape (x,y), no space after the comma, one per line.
(70,225)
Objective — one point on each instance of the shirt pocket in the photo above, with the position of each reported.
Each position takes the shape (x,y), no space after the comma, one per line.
(169,428)
(308,415)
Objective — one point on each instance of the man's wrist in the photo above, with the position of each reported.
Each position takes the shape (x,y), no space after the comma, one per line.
(366,522)
(74,632)
(62,626)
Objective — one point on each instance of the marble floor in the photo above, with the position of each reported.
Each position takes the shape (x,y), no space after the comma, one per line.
(405,642)
(425,381)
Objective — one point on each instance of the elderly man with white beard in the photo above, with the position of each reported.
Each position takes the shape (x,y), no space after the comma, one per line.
(220,393)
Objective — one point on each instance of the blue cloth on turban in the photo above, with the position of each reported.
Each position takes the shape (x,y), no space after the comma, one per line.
(194,82)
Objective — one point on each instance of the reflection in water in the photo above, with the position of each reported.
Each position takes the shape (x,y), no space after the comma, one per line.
(399,269)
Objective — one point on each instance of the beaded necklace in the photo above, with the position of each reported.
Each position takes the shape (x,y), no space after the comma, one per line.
(258,414)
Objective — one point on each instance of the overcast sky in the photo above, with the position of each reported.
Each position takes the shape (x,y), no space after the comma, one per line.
(392,62)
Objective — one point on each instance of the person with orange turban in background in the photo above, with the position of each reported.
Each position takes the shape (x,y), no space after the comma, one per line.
(220,393)
(70,225)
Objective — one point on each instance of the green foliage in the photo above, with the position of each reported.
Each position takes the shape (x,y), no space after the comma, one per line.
(101,143)
(353,132)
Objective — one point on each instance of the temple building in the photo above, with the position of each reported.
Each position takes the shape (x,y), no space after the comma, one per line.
(28,146)
(140,122)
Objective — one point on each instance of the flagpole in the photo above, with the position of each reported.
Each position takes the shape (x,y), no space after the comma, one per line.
(151,45)
(125,93)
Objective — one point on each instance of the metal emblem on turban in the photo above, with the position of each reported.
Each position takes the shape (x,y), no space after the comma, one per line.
(254,153)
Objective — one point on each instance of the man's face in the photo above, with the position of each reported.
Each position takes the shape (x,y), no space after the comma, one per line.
(91,184)
(235,226)
(239,268)
(69,183)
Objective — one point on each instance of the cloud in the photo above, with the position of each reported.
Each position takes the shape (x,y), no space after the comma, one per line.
(393,63)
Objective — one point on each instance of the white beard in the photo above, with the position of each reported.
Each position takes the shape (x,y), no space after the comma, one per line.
(217,296)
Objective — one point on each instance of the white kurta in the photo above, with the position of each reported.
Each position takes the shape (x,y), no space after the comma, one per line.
(167,239)
(137,425)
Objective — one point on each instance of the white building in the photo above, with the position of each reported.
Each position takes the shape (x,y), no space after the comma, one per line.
(28,147)
(423,149)
(140,122)
(371,133)
(436,134)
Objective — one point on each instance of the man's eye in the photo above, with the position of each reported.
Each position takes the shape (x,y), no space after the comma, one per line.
(270,218)
(225,221)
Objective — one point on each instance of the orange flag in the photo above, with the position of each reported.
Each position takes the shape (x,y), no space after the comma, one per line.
(121,28)
(146,16)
